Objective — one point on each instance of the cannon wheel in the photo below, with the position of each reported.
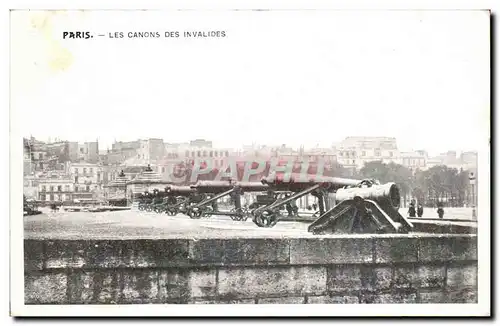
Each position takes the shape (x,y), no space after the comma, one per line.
(141,207)
(194,213)
(149,208)
(157,209)
(265,219)
(206,211)
(235,216)
(171,211)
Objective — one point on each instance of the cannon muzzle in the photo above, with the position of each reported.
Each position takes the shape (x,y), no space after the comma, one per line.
(386,194)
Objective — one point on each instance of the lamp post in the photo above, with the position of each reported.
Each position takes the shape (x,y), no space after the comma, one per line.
(472,180)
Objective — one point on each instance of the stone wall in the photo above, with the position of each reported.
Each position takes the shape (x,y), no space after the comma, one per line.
(327,269)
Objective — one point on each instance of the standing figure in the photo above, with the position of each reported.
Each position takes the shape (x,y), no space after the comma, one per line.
(411,210)
(420,210)
(440,210)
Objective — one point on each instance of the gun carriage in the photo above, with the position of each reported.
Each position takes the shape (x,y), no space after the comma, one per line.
(178,198)
(216,190)
(146,201)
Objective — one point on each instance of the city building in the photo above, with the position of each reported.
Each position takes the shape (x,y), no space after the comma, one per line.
(414,160)
(87,179)
(354,152)
(200,143)
(151,149)
(56,190)
(88,152)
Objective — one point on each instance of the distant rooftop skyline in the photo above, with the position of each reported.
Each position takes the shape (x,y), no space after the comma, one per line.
(104,146)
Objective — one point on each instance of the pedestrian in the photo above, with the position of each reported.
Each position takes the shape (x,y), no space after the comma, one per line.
(440,210)
(411,210)
(420,210)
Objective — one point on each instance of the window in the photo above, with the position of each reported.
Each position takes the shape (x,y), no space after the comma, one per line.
(187,153)
(40,156)
(211,153)
(353,161)
(66,188)
(91,170)
(199,153)
(75,170)
(192,154)
(227,154)
(84,170)
(51,188)
(390,154)
(216,154)
(44,188)
(59,188)
(363,153)
(377,152)
(51,197)
(87,188)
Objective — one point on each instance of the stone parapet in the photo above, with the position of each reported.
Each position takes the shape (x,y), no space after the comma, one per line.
(322,269)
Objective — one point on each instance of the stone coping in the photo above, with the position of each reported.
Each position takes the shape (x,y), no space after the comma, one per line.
(188,252)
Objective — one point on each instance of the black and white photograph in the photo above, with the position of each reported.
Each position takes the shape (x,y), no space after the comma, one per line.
(250,162)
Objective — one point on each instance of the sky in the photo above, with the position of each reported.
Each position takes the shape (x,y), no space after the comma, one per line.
(307,78)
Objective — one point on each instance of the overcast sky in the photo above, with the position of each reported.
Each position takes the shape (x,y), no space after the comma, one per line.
(279,77)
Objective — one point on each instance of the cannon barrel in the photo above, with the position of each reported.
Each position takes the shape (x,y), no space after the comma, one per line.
(387,194)
(179,190)
(222,186)
(298,182)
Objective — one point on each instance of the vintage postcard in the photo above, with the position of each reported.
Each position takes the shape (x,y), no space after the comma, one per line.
(250,162)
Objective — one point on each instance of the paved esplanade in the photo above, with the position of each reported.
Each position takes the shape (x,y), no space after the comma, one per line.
(137,224)
(150,225)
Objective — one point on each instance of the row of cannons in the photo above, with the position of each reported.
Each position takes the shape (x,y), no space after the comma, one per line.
(360,206)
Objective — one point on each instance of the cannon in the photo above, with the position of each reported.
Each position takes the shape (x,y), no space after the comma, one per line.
(145,201)
(219,189)
(179,197)
(364,208)
(299,186)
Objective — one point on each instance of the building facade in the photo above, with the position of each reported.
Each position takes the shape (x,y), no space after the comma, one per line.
(87,179)
(354,152)
(56,190)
